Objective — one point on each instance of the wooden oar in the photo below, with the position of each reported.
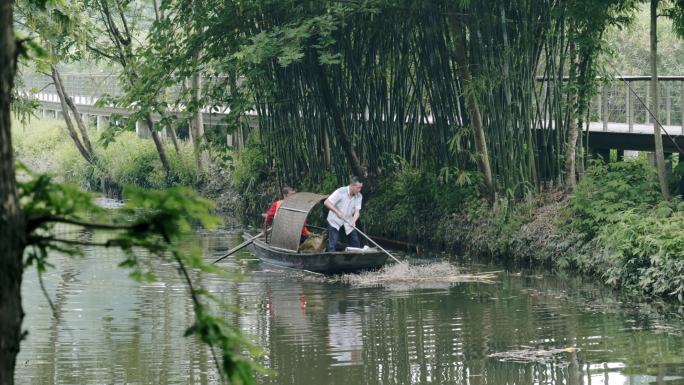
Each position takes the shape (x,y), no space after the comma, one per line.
(372,241)
(238,247)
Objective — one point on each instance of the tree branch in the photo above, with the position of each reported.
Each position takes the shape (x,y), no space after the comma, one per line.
(110,243)
(112,30)
(128,38)
(47,85)
(101,52)
(193,293)
(47,295)
(34,222)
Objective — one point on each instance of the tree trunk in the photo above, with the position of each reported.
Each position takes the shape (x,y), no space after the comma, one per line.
(174,138)
(85,152)
(659,153)
(572,134)
(340,130)
(570,154)
(159,145)
(12,240)
(157,14)
(77,115)
(472,105)
(583,101)
(199,142)
(122,39)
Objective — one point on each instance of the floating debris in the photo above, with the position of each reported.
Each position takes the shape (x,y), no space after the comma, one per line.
(443,272)
(530,355)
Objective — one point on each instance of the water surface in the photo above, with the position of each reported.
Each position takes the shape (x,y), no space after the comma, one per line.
(112,330)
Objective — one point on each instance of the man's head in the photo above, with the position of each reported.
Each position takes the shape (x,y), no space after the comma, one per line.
(355,185)
(287,191)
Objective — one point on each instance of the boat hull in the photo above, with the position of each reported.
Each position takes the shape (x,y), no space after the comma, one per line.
(325,263)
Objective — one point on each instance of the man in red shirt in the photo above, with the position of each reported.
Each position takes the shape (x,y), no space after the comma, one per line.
(273,211)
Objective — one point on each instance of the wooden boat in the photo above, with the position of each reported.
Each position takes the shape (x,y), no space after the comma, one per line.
(281,248)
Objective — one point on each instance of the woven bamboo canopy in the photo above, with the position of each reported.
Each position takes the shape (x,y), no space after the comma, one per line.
(290,218)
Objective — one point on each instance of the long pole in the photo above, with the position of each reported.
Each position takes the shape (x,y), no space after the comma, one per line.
(238,247)
(373,242)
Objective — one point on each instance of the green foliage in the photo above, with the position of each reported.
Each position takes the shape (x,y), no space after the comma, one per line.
(251,166)
(495,232)
(38,137)
(325,184)
(253,181)
(635,60)
(22,108)
(641,252)
(410,203)
(616,226)
(675,177)
(152,227)
(131,160)
(45,145)
(607,190)
(676,14)
(632,238)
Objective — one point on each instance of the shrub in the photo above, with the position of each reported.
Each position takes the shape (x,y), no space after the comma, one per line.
(608,190)
(250,168)
(253,181)
(39,137)
(640,252)
(46,146)
(410,203)
(633,237)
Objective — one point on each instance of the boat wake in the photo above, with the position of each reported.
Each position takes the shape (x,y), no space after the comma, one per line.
(429,273)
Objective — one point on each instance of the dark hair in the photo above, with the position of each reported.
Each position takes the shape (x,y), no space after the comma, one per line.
(287,189)
(354,180)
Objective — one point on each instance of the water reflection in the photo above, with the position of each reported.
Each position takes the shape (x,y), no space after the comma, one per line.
(113,330)
(344,334)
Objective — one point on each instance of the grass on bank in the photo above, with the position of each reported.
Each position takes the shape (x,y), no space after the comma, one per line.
(45,146)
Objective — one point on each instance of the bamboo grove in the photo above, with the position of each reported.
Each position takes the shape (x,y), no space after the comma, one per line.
(353,87)
(383,79)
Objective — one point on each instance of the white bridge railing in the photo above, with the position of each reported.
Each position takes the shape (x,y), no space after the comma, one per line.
(618,108)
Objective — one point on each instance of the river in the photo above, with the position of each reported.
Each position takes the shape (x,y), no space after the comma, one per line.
(113,330)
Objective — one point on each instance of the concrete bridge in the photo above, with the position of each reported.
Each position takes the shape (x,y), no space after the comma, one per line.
(87,89)
(618,118)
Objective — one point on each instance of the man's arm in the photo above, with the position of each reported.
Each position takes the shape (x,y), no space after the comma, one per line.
(357,213)
(270,214)
(331,206)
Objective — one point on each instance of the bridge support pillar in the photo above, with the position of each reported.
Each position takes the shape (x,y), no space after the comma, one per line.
(142,130)
(627,154)
(98,122)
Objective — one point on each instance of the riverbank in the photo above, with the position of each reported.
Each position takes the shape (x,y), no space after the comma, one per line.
(44,146)
(614,227)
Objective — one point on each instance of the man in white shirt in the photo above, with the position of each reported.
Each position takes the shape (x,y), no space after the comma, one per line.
(345,206)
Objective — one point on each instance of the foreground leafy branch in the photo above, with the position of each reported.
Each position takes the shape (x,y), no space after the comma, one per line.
(151,227)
